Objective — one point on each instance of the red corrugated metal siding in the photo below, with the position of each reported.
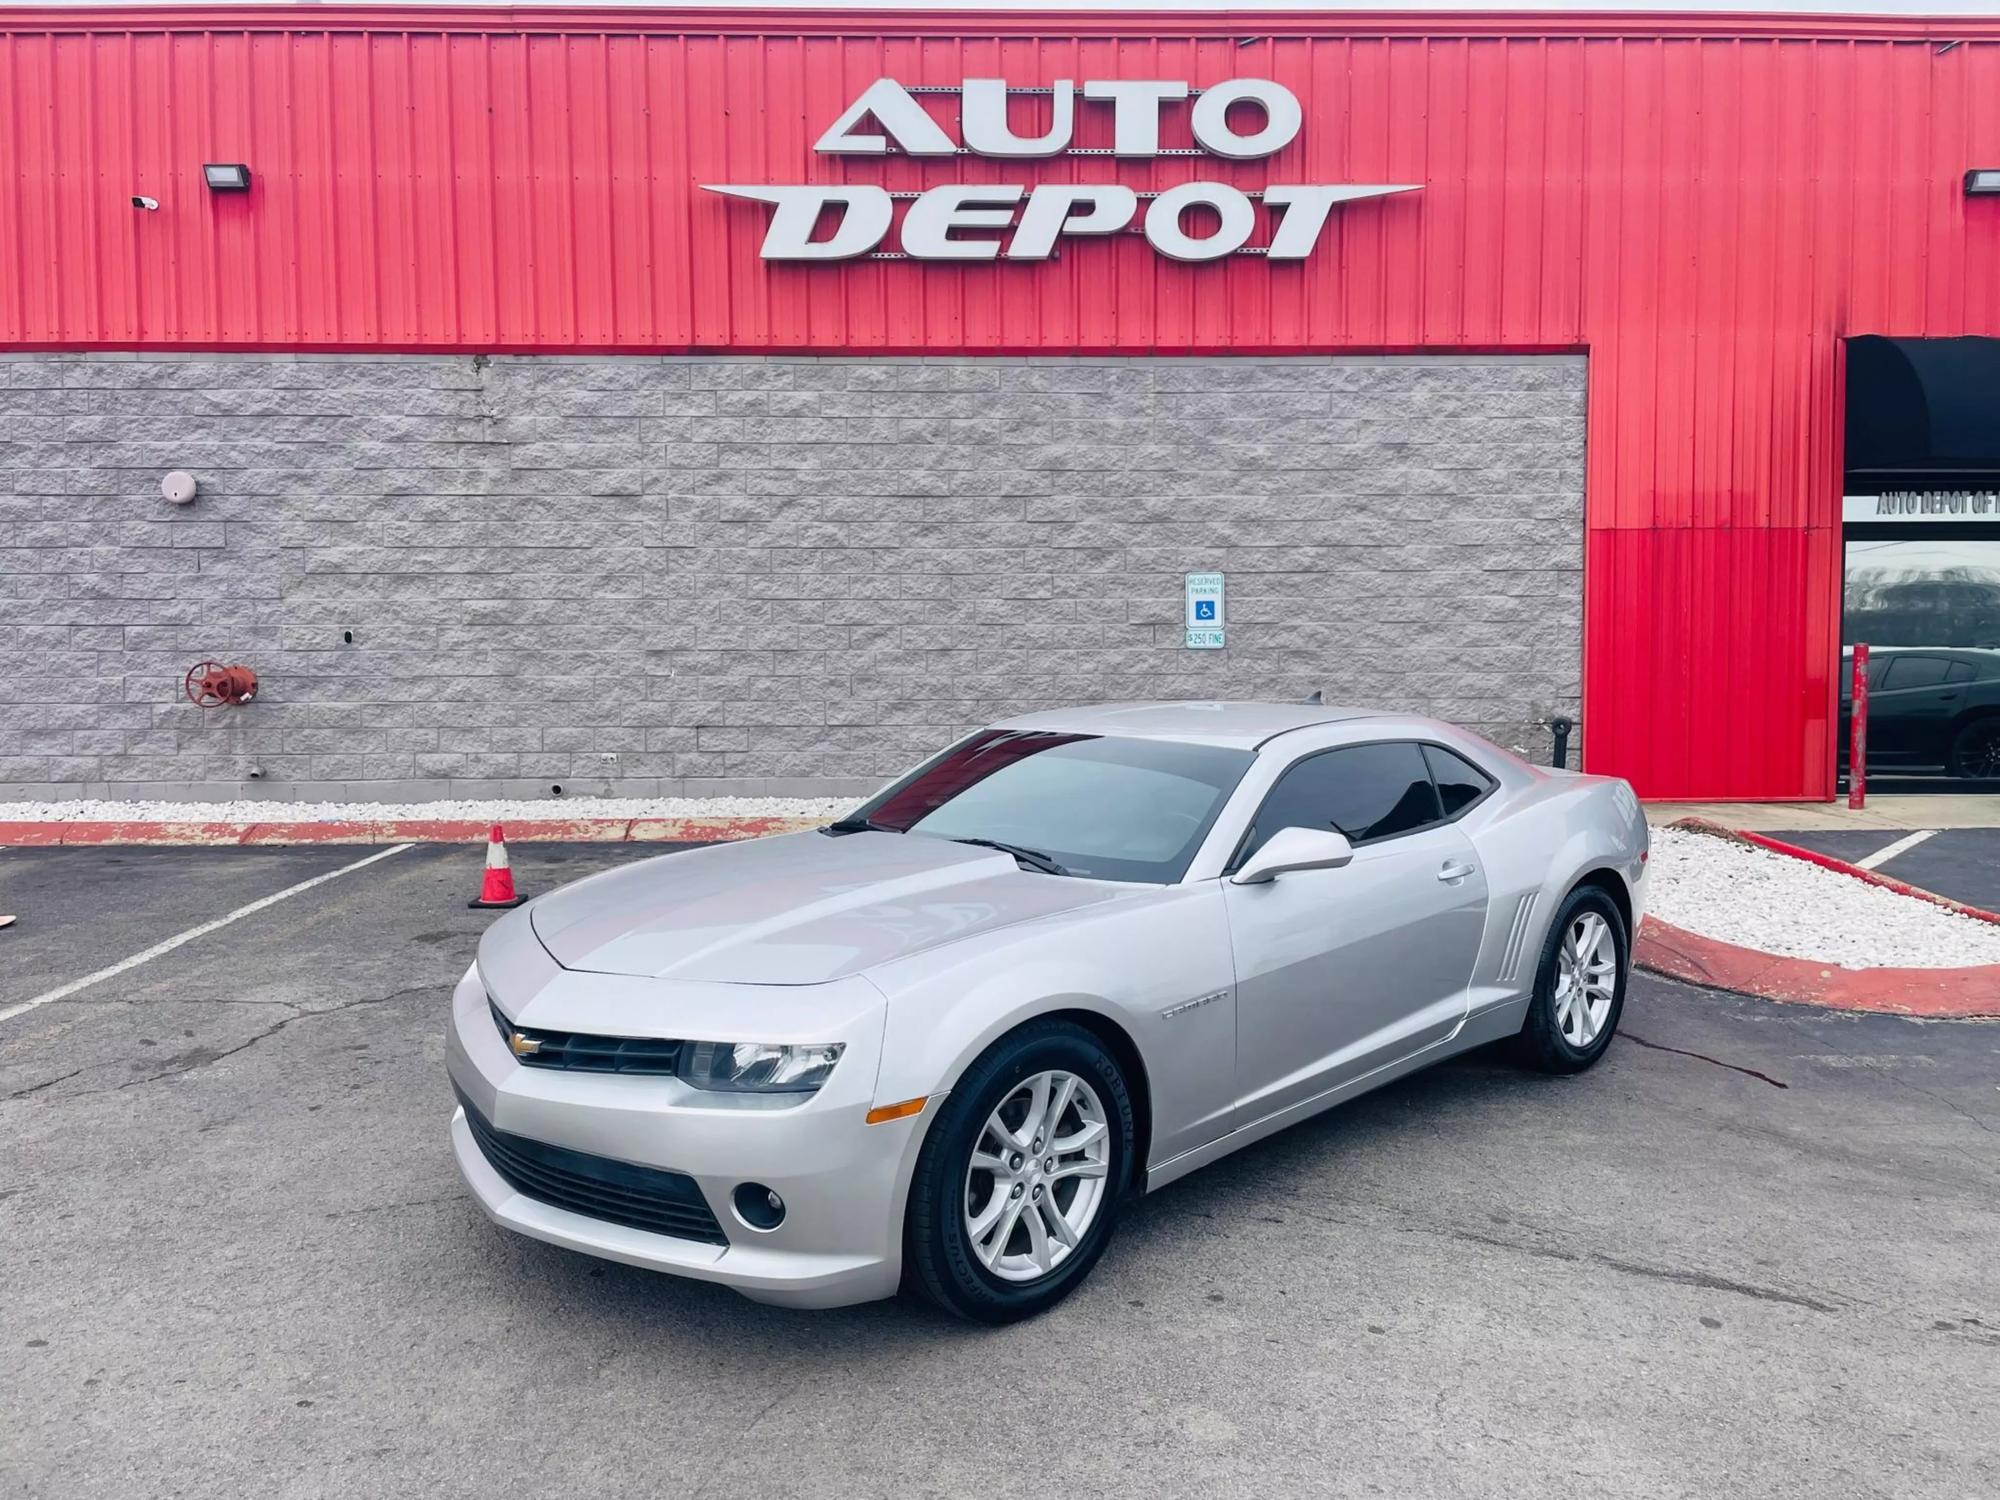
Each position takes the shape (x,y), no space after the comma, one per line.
(1707,204)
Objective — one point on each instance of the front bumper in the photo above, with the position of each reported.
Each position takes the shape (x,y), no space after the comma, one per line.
(843,1181)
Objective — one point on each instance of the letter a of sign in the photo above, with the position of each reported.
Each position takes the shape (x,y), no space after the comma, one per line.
(898,114)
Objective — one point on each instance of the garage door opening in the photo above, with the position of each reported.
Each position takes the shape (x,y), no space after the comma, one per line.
(1921,562)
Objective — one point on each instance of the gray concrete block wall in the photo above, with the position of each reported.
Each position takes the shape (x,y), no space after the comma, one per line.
(757,575)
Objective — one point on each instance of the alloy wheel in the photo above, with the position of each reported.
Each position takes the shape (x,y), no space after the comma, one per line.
(1037,1176)
(1981,755)
(1586,979)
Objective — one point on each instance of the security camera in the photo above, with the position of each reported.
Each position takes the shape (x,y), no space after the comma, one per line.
(140,200)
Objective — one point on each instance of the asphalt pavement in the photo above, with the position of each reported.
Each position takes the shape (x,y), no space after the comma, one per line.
(1752,1253)
(1960,863)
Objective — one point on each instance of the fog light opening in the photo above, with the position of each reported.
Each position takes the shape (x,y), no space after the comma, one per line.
(757,1206)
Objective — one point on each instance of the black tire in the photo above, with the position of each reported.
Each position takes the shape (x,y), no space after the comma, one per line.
(1975,749)
(938,1257)
(1541,1044)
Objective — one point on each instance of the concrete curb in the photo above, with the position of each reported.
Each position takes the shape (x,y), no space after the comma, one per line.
(35,835)
(1936,994)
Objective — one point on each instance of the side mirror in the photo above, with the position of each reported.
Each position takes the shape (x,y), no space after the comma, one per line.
(1292,849)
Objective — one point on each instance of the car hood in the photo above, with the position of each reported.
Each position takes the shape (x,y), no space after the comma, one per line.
(797,909)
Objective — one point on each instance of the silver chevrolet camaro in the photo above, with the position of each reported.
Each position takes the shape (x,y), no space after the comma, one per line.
(1076,955)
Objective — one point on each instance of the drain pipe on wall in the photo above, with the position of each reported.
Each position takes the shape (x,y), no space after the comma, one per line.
(1559,730)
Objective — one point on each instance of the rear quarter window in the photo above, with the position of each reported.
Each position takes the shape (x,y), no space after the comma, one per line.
(1915,672)
(1459,782)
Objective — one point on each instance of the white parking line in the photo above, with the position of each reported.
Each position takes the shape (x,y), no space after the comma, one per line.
(1889,851)
(63,992)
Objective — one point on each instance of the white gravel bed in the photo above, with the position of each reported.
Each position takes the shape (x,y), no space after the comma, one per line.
(1754,898)
(495,810)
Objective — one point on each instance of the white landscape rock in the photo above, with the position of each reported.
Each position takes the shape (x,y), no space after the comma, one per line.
(264,810)
(1755,898)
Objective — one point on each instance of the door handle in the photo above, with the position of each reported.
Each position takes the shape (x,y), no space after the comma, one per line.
(1454,870)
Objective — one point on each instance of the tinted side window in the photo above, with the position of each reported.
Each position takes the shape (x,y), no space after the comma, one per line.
(1960,671)
(1915,672)
(1459,782)
(1365,791)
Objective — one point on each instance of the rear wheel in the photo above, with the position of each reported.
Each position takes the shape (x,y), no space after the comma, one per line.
(1579,985)
(1975,750)
(1019,1182)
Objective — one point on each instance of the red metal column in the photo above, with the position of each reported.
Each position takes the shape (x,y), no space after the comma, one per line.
(1857,731)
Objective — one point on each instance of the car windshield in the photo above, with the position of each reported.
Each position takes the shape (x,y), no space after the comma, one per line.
(1106,808)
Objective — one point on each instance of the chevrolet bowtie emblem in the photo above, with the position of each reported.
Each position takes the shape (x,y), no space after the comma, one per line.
(523,1044)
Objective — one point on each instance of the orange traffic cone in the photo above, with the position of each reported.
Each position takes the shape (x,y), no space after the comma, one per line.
(498,887)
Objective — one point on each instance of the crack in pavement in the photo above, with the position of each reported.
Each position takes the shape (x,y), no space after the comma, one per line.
(1917,1088)
(1950,1104)
(1701,1279)
(46,1083)
(1703,1057)
(1967,1328)
(1867,1066)
(1707,1281)
(201,1057)
(769,1406)
(49,1083)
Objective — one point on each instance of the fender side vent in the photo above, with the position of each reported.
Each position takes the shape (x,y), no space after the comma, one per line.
(1517,939)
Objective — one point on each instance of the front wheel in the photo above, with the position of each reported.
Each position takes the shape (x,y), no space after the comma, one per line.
(1018,1185)
(1579,985)
(1975,749)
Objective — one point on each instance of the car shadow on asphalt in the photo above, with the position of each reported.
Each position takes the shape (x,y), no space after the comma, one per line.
(624,1305)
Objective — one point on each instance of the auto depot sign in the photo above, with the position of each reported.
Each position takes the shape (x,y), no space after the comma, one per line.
(1019,221)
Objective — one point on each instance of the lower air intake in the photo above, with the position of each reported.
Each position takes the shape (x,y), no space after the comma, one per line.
(597,1187)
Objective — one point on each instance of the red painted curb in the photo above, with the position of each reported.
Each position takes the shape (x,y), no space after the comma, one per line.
(1839,866)
(30,835)
(1933,993)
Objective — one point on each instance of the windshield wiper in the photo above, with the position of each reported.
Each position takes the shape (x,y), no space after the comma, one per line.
(1033,858)
(853,824)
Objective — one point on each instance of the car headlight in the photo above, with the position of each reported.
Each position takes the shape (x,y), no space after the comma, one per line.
(758,1067)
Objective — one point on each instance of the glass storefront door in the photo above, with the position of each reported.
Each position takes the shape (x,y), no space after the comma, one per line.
(1925,596)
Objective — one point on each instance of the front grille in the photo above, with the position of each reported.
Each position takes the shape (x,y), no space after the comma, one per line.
(581,1053)
(597,1186)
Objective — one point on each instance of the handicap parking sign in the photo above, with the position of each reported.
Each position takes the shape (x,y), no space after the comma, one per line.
(1204,612)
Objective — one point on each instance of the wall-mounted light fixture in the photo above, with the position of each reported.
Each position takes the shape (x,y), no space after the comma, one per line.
(226,176)
(1981,181)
